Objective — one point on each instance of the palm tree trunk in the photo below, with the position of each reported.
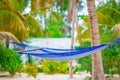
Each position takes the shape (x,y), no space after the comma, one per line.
(97,67)
(72,45)
(72,16)
(7,41)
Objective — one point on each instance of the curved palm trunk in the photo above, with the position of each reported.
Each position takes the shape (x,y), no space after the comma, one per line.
(7,36)
(97,67)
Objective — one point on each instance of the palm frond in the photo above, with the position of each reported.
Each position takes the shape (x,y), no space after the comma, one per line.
(56,16)
(34,5)
(7,4)
(116,29)
(20,5)
(11,23)
(109,12)
(83,34)
(41,5)
(33,26)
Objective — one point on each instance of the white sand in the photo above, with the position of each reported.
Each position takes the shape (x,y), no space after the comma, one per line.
(42,76)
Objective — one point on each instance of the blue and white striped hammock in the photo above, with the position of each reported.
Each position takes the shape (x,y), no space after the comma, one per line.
(63,54)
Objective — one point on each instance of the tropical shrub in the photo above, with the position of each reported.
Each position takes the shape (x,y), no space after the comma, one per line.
(10,60)
(86,64)
(52,67)
(30,69)
(40,69)
(111,56)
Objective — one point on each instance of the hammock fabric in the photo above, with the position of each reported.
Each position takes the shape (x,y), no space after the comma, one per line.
(62,54)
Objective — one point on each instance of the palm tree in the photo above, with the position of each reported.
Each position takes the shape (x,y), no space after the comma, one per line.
(13,20)
(97,67)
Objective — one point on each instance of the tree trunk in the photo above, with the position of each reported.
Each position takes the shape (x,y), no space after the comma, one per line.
(7,41)
(71,15)
(97,67)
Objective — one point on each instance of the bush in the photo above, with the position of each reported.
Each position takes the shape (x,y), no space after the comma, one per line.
(30,69)
(52,67)
(10,60)
(40,69)
(86,64)
(111,59)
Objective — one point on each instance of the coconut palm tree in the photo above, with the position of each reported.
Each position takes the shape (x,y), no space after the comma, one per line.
(13,20)
(97,67)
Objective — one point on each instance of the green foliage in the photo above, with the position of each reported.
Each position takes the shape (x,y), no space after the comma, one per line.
(83,33)
(20,5)
(40,69)
(63,4)
(111,59)
(52,67)
(85,62)
(55,28)
(108,13)
(85,44)
(30,59)
(34,27)
(11,22)
(10,60)
(107,35)
(30,69)
(111,56)
(78,69)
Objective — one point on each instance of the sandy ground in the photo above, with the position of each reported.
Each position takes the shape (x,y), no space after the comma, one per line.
(42,76)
